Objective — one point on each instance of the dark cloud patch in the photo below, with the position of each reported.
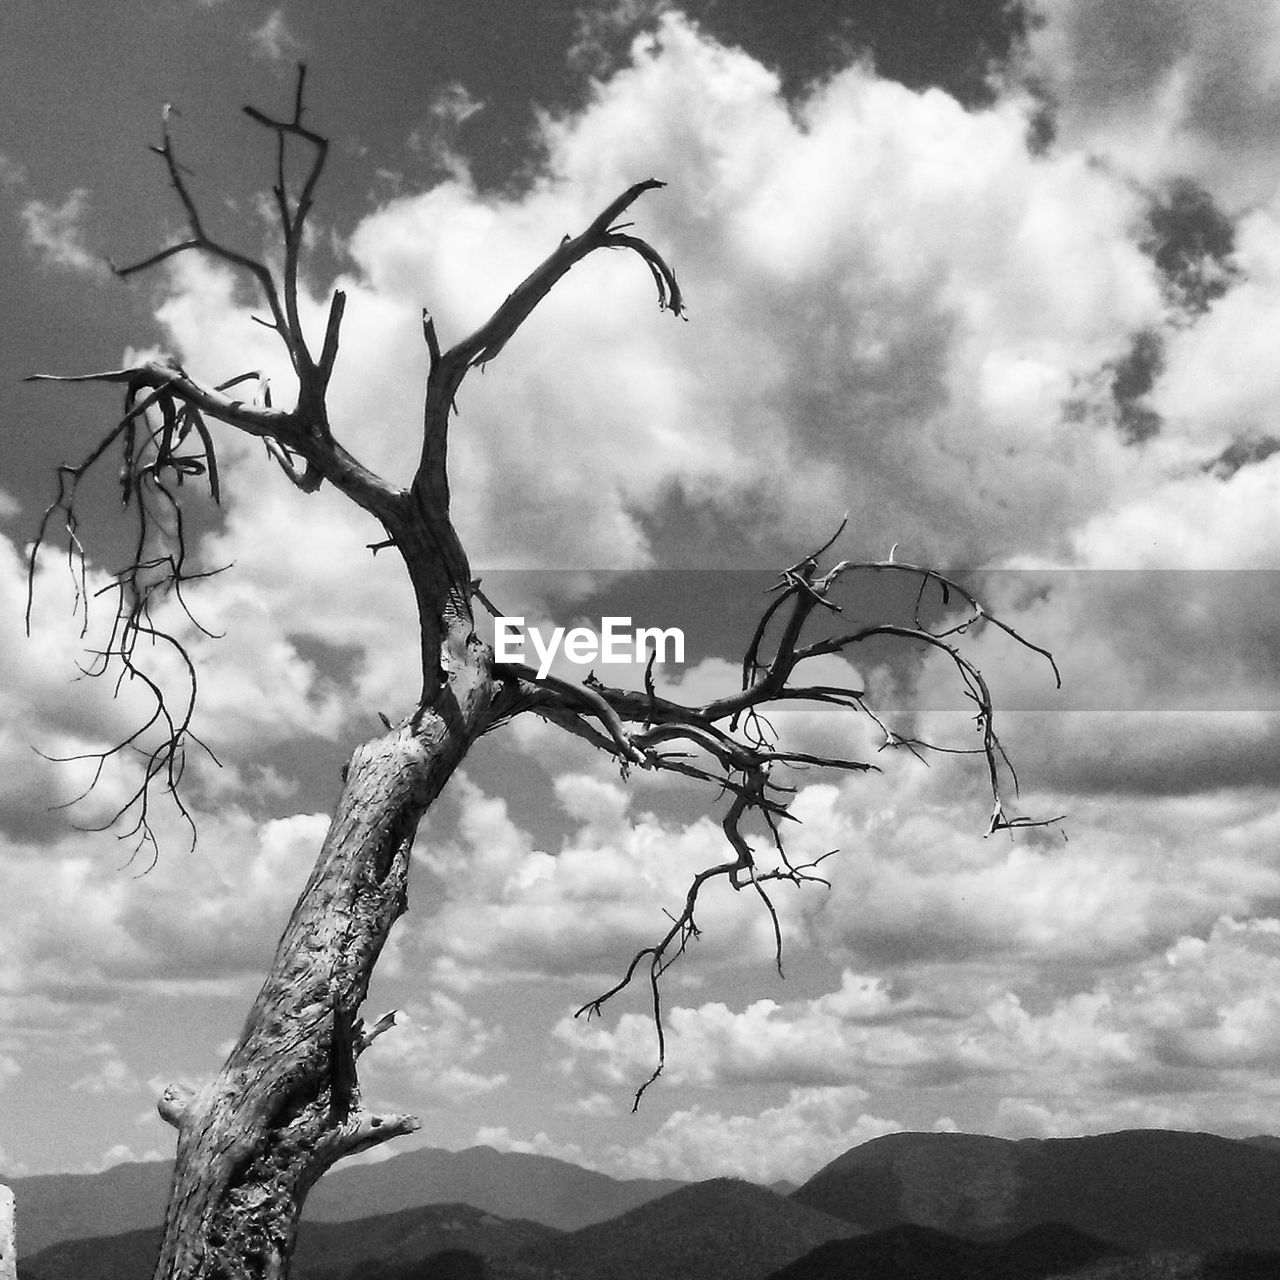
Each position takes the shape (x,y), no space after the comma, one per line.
(1242,453)
(954,45)
(1148,754)
(1192,242)
(1042,123)
(1132,378)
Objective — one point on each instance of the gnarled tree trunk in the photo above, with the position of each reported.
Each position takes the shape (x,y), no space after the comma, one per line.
(287,1105)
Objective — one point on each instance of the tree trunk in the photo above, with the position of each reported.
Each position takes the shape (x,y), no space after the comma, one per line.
(286,1105)
(8,1236)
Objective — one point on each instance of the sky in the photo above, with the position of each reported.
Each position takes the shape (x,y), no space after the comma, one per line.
(1003,285)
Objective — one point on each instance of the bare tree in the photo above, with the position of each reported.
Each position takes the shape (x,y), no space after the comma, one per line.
(286,1105)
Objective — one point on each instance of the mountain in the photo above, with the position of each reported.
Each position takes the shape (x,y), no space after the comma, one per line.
(723,1229)
(71,1206)
(329,1250)
(510,1184)
(718,1230)
(1139,1189)
(326,1250)
(120,1257)
(912,1252)
(56,1207)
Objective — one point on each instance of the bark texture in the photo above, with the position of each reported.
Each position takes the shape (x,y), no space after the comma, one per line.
(287,1104)
(8,1236)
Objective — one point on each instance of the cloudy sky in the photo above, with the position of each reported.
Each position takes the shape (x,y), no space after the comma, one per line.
(1003,285)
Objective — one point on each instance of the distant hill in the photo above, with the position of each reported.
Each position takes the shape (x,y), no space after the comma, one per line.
(126,1256)
(511,1184)
(1139,1189)
(326,1250)
(57,1207)
(1212,1202)
(71,1206)
(911,1252)
(724,1229)
(330,1250)
(718,1230)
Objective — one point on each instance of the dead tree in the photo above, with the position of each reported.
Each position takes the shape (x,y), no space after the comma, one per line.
(286,1105)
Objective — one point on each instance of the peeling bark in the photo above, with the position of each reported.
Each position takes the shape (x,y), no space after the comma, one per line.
(286,1106)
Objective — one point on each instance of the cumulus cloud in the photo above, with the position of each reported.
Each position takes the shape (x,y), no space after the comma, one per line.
(908,254)
(897,310)
(1167,87)
(791,1140)
(85,928)
(118,1153)
(1146,1043)
(515,912)
(433,1051)
(713,1047)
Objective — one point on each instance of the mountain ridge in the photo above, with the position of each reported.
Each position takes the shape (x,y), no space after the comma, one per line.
(1138,1188)
(52,1208)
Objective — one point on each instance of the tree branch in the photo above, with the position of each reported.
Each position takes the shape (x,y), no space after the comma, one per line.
(734,748)
(448,369)
(164,440)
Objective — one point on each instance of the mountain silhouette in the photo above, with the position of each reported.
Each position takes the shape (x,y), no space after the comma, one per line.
(958,1205)
(1139,1189)
(510,1184)
(912,1252)
(722,1229)
(326,1250)
(513,1185)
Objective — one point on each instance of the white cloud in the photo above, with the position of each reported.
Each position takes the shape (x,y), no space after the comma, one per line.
(12,174)
(827,252)
(820,1045)
(56,233)
(602,25)
(432,1050)
(1167,86)
(501,1138)
(454,105)
(119,1153)
(1161,1040)
(274,40)
(513,912)
(790,1141)
(896,310)
(110,1075)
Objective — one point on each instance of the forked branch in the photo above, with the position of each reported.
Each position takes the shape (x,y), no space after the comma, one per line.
(163,440)
(449,368)
(729,743)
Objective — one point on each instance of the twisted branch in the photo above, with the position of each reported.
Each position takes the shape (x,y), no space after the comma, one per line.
(164,440)
(732,747)
(449,368)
